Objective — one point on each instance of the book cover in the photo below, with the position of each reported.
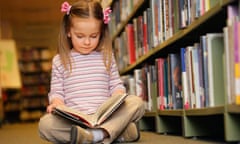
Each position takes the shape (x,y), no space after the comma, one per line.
(176,80)
(215,48)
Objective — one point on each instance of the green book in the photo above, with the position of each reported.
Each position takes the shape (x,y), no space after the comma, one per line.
(215,48)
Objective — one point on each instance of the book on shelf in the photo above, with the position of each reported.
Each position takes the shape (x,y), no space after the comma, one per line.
(203,47)
(175,81)
(190,76)
(197,73)
(237,60)
(229,63)
(231,41)
(138,82)
(131,43)
(160,83)
(145,81)
(215,48)
(93,120)
(184,79)
(145,33)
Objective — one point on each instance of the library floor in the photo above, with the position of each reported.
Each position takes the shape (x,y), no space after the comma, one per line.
(26,133)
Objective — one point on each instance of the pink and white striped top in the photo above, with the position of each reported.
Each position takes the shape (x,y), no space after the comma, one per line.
(88,85)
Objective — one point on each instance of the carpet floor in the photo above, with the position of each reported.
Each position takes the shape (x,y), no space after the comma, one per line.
(27,133)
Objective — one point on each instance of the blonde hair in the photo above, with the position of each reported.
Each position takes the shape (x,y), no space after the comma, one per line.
(84,9)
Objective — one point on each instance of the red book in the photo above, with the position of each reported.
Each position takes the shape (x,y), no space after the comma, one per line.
(160,66)
(131,44)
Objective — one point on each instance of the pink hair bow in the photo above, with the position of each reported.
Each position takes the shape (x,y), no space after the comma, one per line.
(106,14)
(66,7)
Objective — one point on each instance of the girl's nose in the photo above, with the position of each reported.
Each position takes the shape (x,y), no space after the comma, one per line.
(87,41)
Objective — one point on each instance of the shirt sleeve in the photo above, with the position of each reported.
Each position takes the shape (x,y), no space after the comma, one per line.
(115,81)
(56,85)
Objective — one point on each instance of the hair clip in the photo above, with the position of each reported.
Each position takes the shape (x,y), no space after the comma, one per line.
(66,7)
(106,14)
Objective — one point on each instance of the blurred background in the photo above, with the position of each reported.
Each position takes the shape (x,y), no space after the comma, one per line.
(28,40)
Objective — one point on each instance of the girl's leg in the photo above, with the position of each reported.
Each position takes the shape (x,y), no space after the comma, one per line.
(54,129)
(130,111)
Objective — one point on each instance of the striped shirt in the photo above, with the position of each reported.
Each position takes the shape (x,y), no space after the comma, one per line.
(88,85)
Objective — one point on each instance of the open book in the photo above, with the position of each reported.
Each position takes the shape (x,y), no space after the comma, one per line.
(90,121)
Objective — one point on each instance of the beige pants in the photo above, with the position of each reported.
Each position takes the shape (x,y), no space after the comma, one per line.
(57,130)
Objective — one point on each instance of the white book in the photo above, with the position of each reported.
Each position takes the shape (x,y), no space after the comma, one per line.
(138,82)
(196,76)
(189,71)
(229,64)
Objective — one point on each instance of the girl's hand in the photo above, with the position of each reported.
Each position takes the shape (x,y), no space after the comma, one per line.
(55,102)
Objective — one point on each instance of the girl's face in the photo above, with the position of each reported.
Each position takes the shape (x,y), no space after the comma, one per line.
(85,34)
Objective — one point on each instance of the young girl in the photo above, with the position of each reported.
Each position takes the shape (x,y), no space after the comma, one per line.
(84,75)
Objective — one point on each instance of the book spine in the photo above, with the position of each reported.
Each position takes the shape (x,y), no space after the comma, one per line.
(131,43)
(203,44)
(237,61)
(184,79)
(176,81)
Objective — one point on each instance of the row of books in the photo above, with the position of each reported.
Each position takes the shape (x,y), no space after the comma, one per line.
(37,79)
(193,78)
(169,16)
(40,90)
(32,53)
(121,10)
(35,66)
(158,22)
(39,102)
(198,76)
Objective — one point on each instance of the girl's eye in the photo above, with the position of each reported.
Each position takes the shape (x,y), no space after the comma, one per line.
(79,36)
(94,36)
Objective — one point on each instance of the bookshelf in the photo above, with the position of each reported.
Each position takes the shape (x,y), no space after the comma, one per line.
(218,121)
(35,66)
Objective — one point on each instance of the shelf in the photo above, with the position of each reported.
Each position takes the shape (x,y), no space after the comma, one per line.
(233,108)
(150,114)
(170,112)
(205,111)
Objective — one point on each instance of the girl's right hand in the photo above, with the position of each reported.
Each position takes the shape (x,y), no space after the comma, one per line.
(55,102)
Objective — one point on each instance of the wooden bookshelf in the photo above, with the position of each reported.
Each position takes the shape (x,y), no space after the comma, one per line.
(221,120)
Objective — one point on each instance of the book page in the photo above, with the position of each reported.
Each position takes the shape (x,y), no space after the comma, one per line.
(69,112)
(108,107)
